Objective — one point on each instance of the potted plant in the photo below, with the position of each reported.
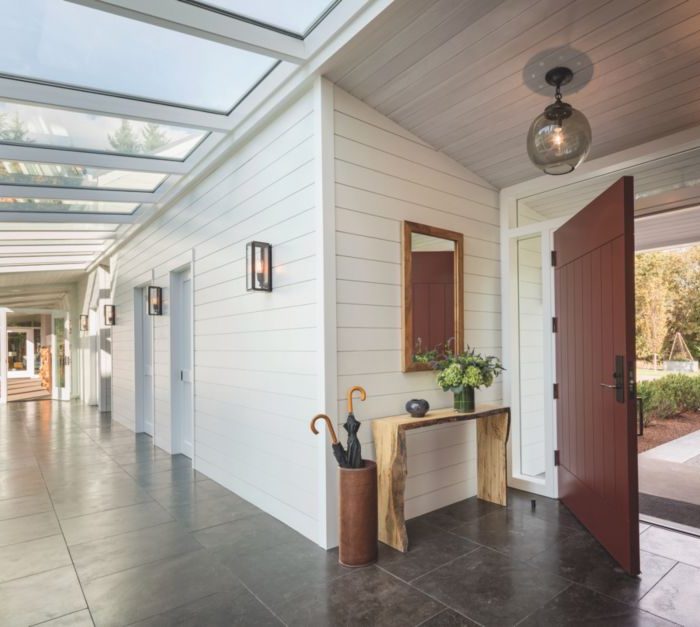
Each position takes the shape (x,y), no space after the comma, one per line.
(461,373)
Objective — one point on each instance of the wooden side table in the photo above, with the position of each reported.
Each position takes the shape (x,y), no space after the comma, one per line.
(492,428)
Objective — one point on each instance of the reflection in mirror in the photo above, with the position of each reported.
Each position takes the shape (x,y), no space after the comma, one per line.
(432,285)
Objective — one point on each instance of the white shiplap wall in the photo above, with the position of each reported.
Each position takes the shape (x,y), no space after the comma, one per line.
(385,175)
(255,353)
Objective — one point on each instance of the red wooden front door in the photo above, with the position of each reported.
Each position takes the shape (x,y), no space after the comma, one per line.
(595,355)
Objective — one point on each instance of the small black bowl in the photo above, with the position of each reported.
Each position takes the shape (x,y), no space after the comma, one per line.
(417,407)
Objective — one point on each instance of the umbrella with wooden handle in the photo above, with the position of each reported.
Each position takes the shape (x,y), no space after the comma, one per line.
(352,426)
(338,450)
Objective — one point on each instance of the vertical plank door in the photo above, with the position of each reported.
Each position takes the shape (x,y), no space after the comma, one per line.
(595,371)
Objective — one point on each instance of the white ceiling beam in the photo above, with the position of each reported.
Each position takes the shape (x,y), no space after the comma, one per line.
(22,90)
(207,24)
(33,259)
(76,217)
(42,267)
(65,156)
(14,249)
(76,193)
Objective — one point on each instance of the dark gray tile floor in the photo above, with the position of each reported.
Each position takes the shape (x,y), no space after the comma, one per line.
(97,527)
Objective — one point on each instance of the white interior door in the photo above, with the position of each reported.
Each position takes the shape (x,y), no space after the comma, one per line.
(182,363)
(144,363)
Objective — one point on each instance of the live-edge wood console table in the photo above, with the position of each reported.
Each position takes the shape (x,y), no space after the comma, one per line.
(492,427)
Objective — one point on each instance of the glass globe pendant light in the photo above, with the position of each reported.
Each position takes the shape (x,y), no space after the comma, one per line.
(559,138)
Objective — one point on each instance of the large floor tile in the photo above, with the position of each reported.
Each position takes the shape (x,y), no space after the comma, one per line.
(33,557)
(113,522)
(180,494)
(236,606)
(490,588)
(25,505)
(677,596)
(41,597)
(448,618)
(367,596)
(72,505)
(281,573)
(139,593)
(582,559)
(210,512)
(429,547)
(110,555)
(580,606)
(458,513)
(247,535)
(516,532)
(673,545)
(81,618)
(31,527)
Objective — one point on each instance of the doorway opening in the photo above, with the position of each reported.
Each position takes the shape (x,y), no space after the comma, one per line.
(143,362)
(668,350)
(182,365)
(28,356)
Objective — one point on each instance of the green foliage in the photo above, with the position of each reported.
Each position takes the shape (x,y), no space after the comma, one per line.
(669,396)
(457,371)
(14,130)
(127,141)
(153,138)
(667,286)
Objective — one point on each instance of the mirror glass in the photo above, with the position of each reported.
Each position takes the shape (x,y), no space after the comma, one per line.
(433,301)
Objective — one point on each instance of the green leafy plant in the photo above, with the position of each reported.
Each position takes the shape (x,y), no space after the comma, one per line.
(456,371)
(669,396)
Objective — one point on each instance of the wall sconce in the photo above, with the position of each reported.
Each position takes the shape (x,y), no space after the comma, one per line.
(83,322)
(258,267)
(155,301)
(110,315)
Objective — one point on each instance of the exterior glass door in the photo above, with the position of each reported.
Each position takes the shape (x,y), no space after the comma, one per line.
(17,357)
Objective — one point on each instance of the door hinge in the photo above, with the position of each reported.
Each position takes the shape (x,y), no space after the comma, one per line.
(555,391)
(556,457)
(554,258)
(554,324)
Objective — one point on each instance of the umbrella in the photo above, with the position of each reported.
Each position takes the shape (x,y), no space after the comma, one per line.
(352,426)
(338,450)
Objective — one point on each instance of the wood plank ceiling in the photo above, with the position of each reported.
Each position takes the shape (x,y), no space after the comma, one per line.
(466,76)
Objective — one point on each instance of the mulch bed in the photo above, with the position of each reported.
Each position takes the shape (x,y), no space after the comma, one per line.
(662,431)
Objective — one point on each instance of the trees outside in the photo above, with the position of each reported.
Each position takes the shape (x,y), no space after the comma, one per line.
(13,130)
(668,301)
(126,140)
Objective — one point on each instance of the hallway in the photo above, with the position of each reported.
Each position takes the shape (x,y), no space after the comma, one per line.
(97,525)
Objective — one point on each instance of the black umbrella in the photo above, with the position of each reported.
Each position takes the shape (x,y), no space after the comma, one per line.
(338,450)
(352,426)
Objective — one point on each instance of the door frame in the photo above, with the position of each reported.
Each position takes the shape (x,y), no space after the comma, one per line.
(140,313)
(176,280)
(63,393)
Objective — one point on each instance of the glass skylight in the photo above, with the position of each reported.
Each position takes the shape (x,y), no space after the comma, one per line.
(58,128)
(66,206)
(77,176)
(293,17)
(66,43)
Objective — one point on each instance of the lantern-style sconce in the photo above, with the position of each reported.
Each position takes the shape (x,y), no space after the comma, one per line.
(83,322)
(258,267)
(110,315)
(155,301)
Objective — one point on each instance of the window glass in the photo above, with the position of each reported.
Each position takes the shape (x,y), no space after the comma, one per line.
(58,128)
(70,44)
(294,17)
(77,176)
(66,206)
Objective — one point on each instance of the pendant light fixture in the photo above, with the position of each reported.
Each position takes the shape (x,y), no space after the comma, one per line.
(559,138)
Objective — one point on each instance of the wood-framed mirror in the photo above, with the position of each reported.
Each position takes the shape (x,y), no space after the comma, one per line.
(433,291)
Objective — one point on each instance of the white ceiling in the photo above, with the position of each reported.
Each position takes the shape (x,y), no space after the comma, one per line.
(466,76)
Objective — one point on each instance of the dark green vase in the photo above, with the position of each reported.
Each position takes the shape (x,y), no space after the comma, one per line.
(464,400)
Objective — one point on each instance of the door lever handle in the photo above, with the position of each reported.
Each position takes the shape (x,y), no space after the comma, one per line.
(611,387)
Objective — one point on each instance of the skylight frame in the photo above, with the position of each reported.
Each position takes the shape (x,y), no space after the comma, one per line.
(13,207)
(202,4)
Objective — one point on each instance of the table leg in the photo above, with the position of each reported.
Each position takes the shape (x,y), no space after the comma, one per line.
(390,449)
(491,439)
